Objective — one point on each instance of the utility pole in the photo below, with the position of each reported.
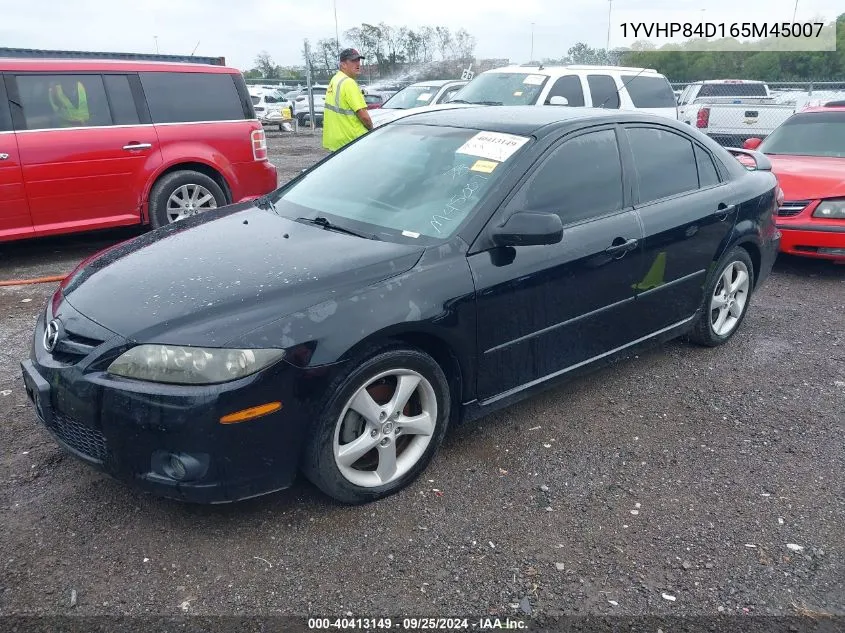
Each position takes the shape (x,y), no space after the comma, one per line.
(155,37)
(531,59)
(609,9)
(794,11)
(336,33)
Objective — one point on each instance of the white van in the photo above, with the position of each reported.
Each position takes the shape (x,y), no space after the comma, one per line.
(612,87)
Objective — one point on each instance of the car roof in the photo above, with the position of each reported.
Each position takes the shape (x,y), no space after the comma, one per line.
(16,64)
(823,108)
(525,120)
(557,70)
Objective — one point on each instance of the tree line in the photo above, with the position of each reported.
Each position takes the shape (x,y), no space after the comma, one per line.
(389,51)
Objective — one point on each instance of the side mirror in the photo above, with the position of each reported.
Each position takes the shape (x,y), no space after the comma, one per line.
(529,229)
(559,101)
(752,143)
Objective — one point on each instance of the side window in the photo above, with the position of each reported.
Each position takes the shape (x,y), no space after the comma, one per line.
(185,97)
(60,101)
(124,111)
(707,174)
(603,91)
(448,94)
(664,161)
(581,179)
(569,87)
(649,92)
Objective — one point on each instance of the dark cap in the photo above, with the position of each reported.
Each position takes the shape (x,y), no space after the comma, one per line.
(350,54)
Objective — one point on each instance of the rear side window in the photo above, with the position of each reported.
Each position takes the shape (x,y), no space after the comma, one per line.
(187,97)
(569,87)
(603,91)
(664,161)
(649,92)
(732,90)
(707,174)
(62,101)
(124,111)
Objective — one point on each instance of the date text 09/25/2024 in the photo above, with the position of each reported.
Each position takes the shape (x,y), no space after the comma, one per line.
(486,623)
(722,29)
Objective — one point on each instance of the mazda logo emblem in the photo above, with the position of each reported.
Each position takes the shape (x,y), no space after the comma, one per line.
(51,335)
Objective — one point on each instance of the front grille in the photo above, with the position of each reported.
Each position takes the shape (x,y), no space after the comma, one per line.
(72,348)
(79,437)
(792,207)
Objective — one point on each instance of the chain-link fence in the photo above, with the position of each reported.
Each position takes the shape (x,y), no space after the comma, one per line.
(733,111)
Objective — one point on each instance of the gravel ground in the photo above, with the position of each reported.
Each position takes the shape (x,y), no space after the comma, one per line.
(684,481)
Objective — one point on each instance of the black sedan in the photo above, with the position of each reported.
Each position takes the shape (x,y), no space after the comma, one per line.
(432,271)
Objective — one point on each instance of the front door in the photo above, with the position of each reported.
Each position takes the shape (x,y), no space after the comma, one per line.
(85,150)
(15,221)
(545,309)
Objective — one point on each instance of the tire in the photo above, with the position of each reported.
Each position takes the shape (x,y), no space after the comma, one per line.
(181,185)
(356,479)
(710,330)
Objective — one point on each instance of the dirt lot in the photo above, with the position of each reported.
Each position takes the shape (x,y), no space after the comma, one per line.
(684,481)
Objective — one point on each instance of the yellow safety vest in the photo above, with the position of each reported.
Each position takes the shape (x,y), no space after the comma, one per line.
(70,114)
(340,125)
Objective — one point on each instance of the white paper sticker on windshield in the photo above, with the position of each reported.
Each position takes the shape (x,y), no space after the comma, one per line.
(424,96)
(534,80)
(492,145)
(410,234)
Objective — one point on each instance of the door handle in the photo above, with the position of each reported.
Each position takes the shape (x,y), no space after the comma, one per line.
(624,247)
(4,156)
(723,211)
(133,146)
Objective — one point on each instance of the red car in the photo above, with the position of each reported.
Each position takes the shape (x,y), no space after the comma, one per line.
(96,144)
(808,157)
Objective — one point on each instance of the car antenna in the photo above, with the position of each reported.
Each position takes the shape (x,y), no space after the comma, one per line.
(642,70)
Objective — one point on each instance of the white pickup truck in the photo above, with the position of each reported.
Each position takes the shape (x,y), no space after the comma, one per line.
(730,111)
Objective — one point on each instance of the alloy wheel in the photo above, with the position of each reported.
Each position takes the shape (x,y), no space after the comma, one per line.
(189,200)
(729,298)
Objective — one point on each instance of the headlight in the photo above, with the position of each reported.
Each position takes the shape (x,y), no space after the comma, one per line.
(834,209)
(192,365)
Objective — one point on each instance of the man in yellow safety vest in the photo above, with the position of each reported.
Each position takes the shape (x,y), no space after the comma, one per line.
(345,116)
(69,115)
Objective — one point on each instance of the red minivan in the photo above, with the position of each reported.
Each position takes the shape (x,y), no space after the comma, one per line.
(95,144)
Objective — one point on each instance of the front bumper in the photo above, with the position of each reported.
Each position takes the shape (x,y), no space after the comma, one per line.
(130,429)
(822,241)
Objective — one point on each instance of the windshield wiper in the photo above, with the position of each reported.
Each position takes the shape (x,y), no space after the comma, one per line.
(330,226)
(475,102)
(264,202)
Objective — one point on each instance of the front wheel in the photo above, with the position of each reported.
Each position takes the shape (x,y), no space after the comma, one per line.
(726,299)
(181,194)
(380,427)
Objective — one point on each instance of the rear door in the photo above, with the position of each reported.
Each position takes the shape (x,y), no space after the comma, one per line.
(15,220)
(688,212)
(89,173)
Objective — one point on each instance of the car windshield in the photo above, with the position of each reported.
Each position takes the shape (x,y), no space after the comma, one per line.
(808,134)
(411,97)
(429,181)
(502,89)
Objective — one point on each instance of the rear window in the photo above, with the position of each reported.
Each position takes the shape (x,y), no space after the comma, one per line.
(649,92)
(255,99)
(732,90)
(190,97)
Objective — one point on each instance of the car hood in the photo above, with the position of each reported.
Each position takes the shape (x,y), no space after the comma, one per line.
(221,274)
(809,177)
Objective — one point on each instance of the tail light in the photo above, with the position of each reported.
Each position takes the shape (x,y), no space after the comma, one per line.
(703,119)
(259,145)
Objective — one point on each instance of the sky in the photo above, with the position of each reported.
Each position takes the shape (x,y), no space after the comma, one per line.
(239,29)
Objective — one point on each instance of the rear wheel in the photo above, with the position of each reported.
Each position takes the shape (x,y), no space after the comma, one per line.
(181,194)
(381,426)
(726,299)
